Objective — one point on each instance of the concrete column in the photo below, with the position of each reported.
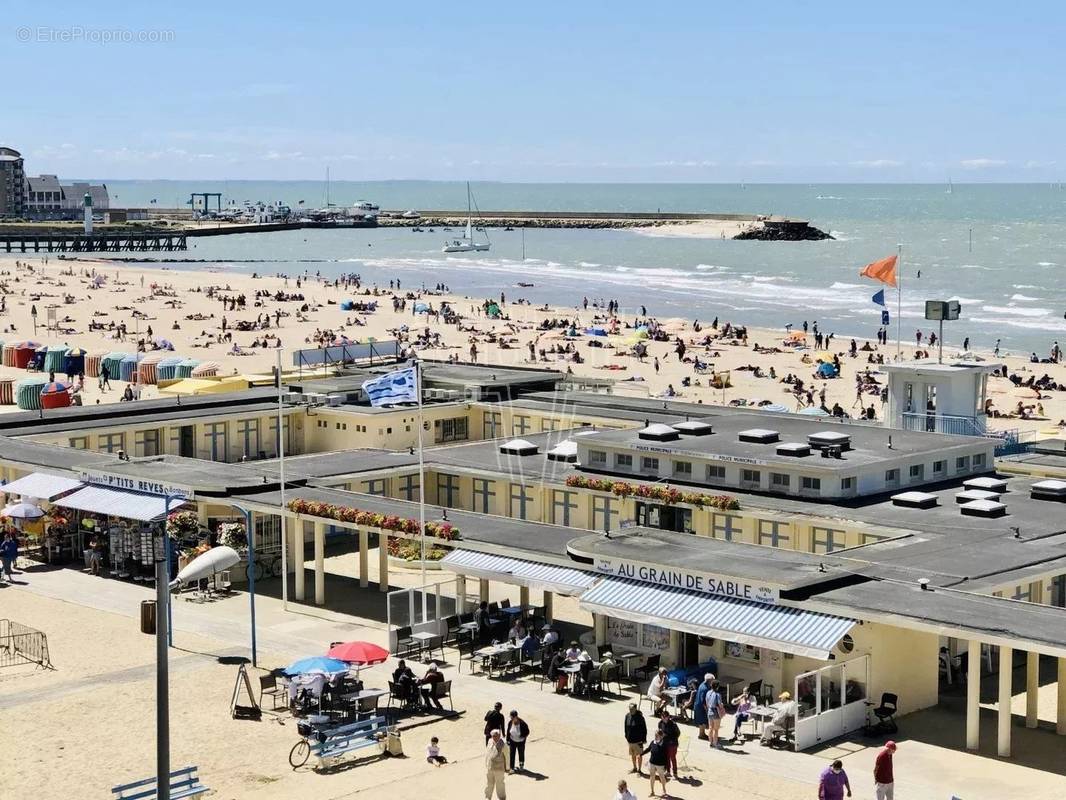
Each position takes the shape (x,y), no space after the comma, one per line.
(320,563)
(298,558)
(549,613)
(1060,717)
(1006,659)
(1032,688)
(973,695)
(599,627)
(364,559)
(460,594)
(383,563)
(483,589)
(523,596)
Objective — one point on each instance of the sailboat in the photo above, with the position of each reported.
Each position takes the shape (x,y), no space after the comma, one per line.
(466,243)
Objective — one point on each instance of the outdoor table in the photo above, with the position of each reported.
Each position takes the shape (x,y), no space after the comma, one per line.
(762,714)
(516,610)
(728,682)
(422,637)
(626,659)
(365,701)
(574,668)
(675,694)
(468,626)
(495,651)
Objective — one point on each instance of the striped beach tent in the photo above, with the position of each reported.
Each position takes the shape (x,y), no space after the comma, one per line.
(28,392)
(147,369)
(7,392)
(113,362)
(55,395)
(128,368)
(93,362)
(186,367)
(54,358)
(24,353)
(206,369)
(7,355)
(167,368)
(74,361)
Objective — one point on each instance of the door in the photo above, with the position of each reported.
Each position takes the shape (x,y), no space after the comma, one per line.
(806,694)
(831,703)
(187,442)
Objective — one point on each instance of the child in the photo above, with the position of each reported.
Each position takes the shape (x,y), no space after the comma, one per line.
(433,755)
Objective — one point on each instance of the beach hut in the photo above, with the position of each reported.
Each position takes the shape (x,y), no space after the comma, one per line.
(7,392)
(39,355)
(113,362)
(93,362)
(7,356)
(54,358)
(146,370)
(74,361)
(186,367)
(55,395)
(205,369)
(28,393)
(167,368)
(24,353)
(128,368)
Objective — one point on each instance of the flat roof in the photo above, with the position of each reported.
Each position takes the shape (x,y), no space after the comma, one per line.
(210,478)
(485,455)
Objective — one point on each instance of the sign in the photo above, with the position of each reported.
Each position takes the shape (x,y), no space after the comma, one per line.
(134,485)
(939,310)
(675,451)
(721,585)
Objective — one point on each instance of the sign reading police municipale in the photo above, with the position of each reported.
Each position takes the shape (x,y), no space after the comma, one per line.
(692,581)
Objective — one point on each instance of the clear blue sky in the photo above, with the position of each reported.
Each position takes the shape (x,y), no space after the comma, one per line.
(578,91)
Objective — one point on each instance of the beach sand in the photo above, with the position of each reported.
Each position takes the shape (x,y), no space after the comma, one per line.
(132,286)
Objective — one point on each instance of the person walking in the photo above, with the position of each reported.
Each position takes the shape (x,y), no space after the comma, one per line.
(833,782)
(9,553)
(698,703)
(517,734)
(715,712)
(105,377)
(884,779)
(495,766)
(493,721)
(671,738)
(623,791)
(636,733)
(656,752)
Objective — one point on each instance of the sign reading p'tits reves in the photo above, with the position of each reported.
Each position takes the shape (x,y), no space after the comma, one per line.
(134,484)
(690,580)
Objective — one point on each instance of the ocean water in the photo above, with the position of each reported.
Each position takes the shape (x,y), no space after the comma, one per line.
(998,249)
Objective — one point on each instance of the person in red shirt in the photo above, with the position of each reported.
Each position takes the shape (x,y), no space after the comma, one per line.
(883,778)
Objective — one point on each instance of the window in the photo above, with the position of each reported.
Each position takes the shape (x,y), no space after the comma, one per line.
(623,461)
(409,487)
(491,425)
(940,467)
(750,478)
(598,458)
(809,484)
(725,526)
(772,532)
(891,477)
(550,425)
(826,540)
(847,484)
(520,425)
(112,442)
(483,495)
(248,436)
(375,486)
(978,460)
(962,464)
(520,500)
(80,443)
(604,513)
(563,503)
(649,464)
(215,440)
(447,490)
(715,472)
(683,469)
(779,480)
(453,430)
(146,443)
(917,472)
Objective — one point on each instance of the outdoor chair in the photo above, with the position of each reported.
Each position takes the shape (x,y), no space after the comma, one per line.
(396,693)
(268,686)
(650,667)
(405,645)
(532,662)
(493,608)
(442,690)
(612,675)
(505,603)
(436,643)
(886,712)
(451,624)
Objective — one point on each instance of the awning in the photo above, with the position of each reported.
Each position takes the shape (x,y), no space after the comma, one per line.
(562,580)
(118,503)
(41,486)
(790,630)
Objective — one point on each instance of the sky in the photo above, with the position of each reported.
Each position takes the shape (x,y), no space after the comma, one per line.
(591,91)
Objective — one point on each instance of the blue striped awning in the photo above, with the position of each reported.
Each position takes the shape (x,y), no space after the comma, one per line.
(790,630)
(119,503)
(562,580)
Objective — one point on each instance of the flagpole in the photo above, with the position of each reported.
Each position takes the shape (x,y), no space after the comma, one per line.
(899,301)
(421,487)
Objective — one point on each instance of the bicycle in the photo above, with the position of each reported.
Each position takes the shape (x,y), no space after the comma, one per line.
(301,751)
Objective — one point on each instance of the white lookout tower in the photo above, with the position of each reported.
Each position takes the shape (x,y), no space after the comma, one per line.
(944,398)
(87,201)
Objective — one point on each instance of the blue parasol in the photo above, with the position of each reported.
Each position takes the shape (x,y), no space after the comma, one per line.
(316,664)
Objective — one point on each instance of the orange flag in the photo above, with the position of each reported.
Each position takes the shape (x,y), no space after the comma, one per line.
(883,270)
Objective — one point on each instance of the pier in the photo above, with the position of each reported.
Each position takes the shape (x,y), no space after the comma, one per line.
(105,242)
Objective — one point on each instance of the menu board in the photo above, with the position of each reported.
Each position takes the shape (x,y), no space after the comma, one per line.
(655,639)
(623,633)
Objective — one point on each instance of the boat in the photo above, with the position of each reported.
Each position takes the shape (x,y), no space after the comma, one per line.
(466,243)
(411,214)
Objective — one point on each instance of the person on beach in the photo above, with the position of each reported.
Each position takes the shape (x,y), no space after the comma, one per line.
(433,755)
(833,782)
(105,377)
(657,760)
(495,766)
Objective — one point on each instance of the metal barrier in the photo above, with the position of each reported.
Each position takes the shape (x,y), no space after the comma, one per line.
(20,644)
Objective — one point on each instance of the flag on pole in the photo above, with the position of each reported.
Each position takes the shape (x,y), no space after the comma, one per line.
(879,297)
(883,270)
(399,386)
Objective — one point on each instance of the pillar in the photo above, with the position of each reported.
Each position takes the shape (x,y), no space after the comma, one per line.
(523,596)
(1006,659)
(599,627)
(1032,688)
(1060,717)
(320,563)
(549,613)
(973,695)
(364,559)
(383,563)
(483,589)
(460,594)
(298,557)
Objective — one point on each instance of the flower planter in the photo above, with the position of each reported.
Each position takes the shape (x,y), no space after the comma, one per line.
(416,565)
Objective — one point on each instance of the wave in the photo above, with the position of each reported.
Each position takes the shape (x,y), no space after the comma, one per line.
(840,236)
(1016,311)
(841,285)
(709,267)
(1046,264)
(828,197)
(1026,286)
(1052,325)
(588,264)
(975,266)
(1024,297)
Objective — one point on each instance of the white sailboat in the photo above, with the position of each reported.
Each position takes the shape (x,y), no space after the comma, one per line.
(466,243)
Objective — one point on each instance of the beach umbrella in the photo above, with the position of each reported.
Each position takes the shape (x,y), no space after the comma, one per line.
(316,665)
(823,355)
(22,511)
(814,411)
(421,308)
(641,332)
(776,407)
(361,653)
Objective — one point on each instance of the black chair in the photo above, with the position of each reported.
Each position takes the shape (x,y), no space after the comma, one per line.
(493,607)
(886,712)
(268,686)
(650,668)
(443,689)
(451,625)
(405,645)
(505,603)
(436,643)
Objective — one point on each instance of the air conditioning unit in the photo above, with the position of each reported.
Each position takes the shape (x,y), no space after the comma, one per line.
(316,398)
(292,397)
(335,400)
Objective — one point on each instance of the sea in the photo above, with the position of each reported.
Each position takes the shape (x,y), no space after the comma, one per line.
(999,249)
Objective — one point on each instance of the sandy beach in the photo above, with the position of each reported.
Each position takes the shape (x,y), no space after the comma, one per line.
(186,308)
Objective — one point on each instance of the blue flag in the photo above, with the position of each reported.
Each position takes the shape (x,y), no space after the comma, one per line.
(879,297)
(395,387)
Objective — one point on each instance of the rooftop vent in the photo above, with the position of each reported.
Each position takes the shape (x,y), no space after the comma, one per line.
(564,451)
(997,485)
(829,439)
(970,495)
(659,433)
(1048,490)
(518,447)
(694,427)
(759,436)
(794,449)
(983,508)
(915,500)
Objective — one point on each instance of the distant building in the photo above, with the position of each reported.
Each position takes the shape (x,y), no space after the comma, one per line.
(12,183)
(44,196)
(75,192)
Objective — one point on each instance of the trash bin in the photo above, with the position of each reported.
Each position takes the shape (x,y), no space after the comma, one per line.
(393,746)
(148,616)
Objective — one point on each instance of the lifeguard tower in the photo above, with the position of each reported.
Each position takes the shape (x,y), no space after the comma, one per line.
(942,398)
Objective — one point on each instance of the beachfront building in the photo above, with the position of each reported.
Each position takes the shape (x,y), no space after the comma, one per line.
(12,183)
(945,398)
(840,561)
(44,196)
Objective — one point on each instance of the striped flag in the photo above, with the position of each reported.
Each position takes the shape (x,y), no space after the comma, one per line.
(400,386)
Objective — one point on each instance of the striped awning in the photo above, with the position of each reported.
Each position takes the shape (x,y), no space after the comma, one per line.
(119,503)
(41,486)
(790,630)
(517,571)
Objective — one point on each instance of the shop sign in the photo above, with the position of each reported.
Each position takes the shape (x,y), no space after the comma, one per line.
(647,448)
(133,485)
(722,585)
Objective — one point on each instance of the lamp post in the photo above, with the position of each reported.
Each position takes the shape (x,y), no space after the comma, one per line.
(250,535)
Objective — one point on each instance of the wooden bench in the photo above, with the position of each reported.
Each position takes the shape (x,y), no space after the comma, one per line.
(183,783)
(350,738)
